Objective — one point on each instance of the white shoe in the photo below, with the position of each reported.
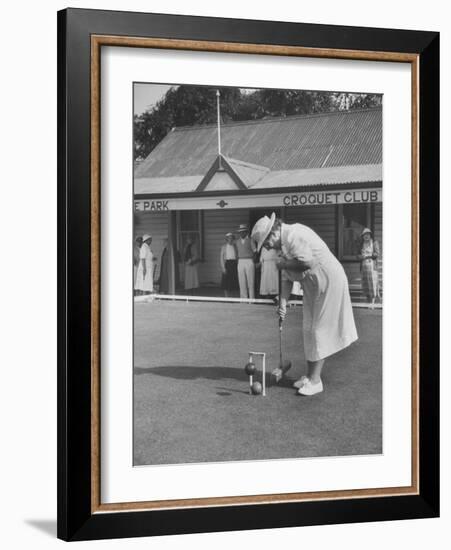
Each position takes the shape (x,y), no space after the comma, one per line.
(310,389)
(299,383)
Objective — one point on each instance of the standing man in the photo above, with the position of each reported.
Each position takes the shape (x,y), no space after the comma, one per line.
(328,320)
(246,248)
(228,260)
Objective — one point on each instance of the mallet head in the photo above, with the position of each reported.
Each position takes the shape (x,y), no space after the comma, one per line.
(285,366)
(277,374)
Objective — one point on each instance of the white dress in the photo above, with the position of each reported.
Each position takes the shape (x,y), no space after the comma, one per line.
(145,283)
(269,282)
(328,319)
(191,270)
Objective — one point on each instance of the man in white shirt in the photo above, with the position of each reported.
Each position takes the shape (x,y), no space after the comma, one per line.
(228,260)
(246,267)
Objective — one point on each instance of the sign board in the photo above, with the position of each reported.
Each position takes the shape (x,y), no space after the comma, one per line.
(309,198)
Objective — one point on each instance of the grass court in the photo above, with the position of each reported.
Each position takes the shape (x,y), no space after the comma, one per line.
(191,400)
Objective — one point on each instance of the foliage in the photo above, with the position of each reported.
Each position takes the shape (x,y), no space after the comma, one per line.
(196,105)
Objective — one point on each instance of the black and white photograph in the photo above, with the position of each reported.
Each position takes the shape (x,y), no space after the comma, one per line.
(257,274)
(236,329)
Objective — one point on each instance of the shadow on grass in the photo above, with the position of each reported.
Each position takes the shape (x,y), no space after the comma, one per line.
(229,391)
(186,372)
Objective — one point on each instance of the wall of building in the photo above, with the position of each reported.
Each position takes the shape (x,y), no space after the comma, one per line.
(216,223)
(320,218)
(378,235)
(323,220)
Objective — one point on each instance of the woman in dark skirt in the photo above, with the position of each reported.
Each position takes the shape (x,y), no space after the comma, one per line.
(229,262)
(164,269)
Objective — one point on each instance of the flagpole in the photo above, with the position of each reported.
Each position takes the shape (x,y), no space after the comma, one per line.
(218,95)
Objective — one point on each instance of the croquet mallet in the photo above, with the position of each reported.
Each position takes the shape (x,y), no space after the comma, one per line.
(284,366)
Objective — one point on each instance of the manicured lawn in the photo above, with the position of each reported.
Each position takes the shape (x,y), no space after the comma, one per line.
(191,401)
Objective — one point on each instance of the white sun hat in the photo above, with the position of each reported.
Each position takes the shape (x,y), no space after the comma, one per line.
(146,236)
(262,229)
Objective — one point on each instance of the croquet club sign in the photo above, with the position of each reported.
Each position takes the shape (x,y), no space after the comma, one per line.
(312,198)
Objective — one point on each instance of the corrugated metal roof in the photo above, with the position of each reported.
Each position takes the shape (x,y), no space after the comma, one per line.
(342,138)
(178,184)
(249,174)
(332,175)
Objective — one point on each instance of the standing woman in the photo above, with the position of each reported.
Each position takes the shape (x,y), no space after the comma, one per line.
(163,280)
(269,282)
(228,260)
(144,274)
(136,249)
(328,320)
(369,253)
(191,259)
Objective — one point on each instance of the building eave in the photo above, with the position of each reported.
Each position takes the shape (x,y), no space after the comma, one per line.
(261,192)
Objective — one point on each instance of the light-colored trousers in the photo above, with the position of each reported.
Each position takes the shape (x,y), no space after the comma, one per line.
(246,277)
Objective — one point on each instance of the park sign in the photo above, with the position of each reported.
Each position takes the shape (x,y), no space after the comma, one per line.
(308,198)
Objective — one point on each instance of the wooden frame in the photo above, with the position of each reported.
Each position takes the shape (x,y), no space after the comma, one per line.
(81,35)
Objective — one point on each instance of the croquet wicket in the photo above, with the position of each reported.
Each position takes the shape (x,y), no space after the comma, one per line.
(251,378)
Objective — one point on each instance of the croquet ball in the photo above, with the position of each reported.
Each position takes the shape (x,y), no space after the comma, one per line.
(256,388)
(250,368)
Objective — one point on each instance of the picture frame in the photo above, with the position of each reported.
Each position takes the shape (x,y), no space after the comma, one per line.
(81,35)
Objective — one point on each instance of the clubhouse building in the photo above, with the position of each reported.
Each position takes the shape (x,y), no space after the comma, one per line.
(321,170)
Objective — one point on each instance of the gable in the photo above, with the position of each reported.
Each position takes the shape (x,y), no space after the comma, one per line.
(221,181)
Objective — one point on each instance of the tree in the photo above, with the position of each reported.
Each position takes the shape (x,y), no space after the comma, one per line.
(181,106)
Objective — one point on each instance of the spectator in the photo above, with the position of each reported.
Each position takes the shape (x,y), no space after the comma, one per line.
(144,275)
(246,266)
(163,280)
(269,282)
(369,253)
(228,260)
(191,259)
(136,247)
